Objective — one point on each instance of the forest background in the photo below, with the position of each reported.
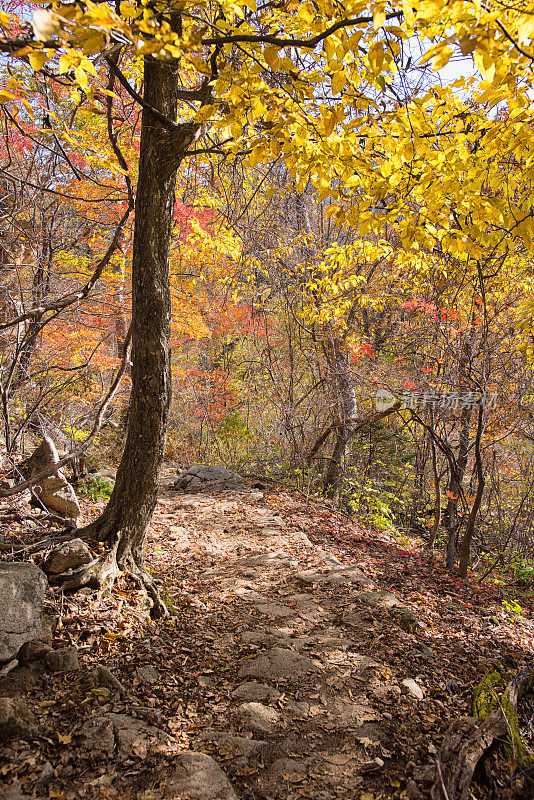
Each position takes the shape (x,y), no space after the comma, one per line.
(326,214)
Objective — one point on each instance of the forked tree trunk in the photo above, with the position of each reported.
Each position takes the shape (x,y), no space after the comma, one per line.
(125,520)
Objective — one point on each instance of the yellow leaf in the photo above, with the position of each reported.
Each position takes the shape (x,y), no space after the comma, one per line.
(379,19)
(442,58)
(81,77)
(204,113)
(5,95)
(306,13)
(338,82)
(128,10)
(111,636)
(38,59)
(270,55)
(330,123)
(94,43)
(64,738)
(256,156)
(525,27)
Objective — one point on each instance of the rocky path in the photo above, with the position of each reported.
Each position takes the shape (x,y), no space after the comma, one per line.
(304,658)
(298,685)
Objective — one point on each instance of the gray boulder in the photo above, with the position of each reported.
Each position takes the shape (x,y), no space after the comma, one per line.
(202,478)
(278,662)
(198,777)
(22,591)
(255,692)
(124,736)
(33,651)
(68,556)
(16,719)
(258,717)
(65,659)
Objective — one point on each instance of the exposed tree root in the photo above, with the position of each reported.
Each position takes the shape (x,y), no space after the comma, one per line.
(99,574)
(140,574)
(102,572)
(467,739)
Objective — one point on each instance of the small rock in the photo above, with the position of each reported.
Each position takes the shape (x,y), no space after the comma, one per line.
(237,748)
(201,478)
(18,682)
(63,660)
(277,662)
(406,618)
(132,737)
(379,599)
(250,573)
(257,717)
(47,774)
(372,766)
(33,651)
(99,737)
(101,676)
(451,686)
(298,708)
(57,495)
(16,719)
(337,576)
(148,674)
(197,777)
(105,473)
(68,556)
(255,692)
(413,688)
(412,791)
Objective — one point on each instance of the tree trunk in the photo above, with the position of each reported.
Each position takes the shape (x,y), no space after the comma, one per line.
(455,487)
(458,468)
(346,401)
(437,493)
(125,520)
(465,548)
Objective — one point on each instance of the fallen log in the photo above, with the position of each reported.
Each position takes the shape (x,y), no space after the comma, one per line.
(468,739)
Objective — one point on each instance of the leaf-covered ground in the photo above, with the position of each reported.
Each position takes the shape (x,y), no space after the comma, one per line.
(309,657)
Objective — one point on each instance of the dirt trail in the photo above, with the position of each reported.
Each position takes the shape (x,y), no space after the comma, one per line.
(307,657)
(294,651)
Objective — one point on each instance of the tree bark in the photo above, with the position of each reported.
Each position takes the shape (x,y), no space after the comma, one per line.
(456,487)
(347,405)
(437,493)
(125,520)
(465,547)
